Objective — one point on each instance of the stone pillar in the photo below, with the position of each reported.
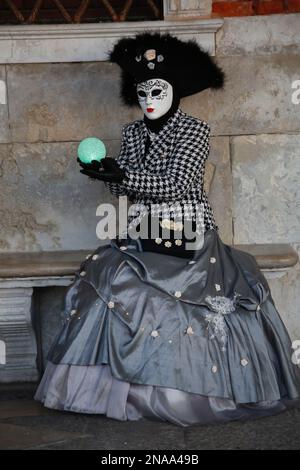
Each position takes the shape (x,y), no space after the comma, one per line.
(18,343)
(187,9)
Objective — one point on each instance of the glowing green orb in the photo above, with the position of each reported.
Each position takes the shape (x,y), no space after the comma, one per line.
(90,149)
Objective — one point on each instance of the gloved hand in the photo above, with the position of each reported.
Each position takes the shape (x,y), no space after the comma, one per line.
(90,169)
(110,164)
(106,170)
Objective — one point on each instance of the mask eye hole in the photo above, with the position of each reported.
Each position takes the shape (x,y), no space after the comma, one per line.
(141,93)
(156,92)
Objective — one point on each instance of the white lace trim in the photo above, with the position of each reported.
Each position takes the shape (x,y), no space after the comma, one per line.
(216,324)
(220,304)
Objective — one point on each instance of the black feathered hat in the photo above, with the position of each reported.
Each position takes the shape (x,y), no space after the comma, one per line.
(148,55)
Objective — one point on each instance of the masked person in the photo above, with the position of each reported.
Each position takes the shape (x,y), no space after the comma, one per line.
(154,330)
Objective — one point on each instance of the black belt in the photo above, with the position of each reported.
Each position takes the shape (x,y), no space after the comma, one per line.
(171,239)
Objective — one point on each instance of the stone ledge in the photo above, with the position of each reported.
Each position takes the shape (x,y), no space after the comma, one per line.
(65,263)
(90,42)
(271,256)
(40,264)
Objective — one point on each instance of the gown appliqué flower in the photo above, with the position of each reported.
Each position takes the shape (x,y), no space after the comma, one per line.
(216,323)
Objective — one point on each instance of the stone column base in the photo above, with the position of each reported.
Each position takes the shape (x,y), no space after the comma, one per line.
(18,343)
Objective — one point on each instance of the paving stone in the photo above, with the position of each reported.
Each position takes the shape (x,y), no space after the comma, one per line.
(59,430)
(17,408)
(24,437)
(104,433)
(276,432)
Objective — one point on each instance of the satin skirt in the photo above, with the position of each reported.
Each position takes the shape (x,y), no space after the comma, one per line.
(188,341)
(93,390)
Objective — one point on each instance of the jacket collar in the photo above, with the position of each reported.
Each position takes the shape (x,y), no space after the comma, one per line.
(168,126)
(162,140)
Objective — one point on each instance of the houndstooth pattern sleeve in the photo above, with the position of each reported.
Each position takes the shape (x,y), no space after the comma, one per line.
(190,154)
(118,189)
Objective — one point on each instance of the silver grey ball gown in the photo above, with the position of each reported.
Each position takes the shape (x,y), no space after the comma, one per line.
(189,341)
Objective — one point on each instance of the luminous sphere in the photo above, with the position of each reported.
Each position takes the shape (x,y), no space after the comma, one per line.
(90,149)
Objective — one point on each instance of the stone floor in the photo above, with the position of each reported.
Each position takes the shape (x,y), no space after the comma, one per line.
(26,424)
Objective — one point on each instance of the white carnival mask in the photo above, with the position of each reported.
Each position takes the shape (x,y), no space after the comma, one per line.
(155,97)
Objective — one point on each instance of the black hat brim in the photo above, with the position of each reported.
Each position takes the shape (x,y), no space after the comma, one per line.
(188,67)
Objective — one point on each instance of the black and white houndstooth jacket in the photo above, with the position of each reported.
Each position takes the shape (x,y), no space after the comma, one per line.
(171,173)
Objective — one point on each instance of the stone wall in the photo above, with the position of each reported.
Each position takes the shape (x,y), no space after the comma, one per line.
(46,109)
(262,124)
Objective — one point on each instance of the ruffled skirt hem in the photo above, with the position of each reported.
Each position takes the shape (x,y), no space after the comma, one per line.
(94,390)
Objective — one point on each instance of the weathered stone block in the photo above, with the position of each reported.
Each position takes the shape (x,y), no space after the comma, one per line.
(259,35)
(65,102)
(220,192)
(45,202)
(182,9)
(266,191)
(266,195)
(256,99)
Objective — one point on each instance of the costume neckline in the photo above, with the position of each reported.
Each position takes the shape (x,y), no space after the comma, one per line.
(168,125)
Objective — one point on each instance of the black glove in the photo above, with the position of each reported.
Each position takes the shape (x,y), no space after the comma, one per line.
(90,169)
(110,164)
(111,170)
